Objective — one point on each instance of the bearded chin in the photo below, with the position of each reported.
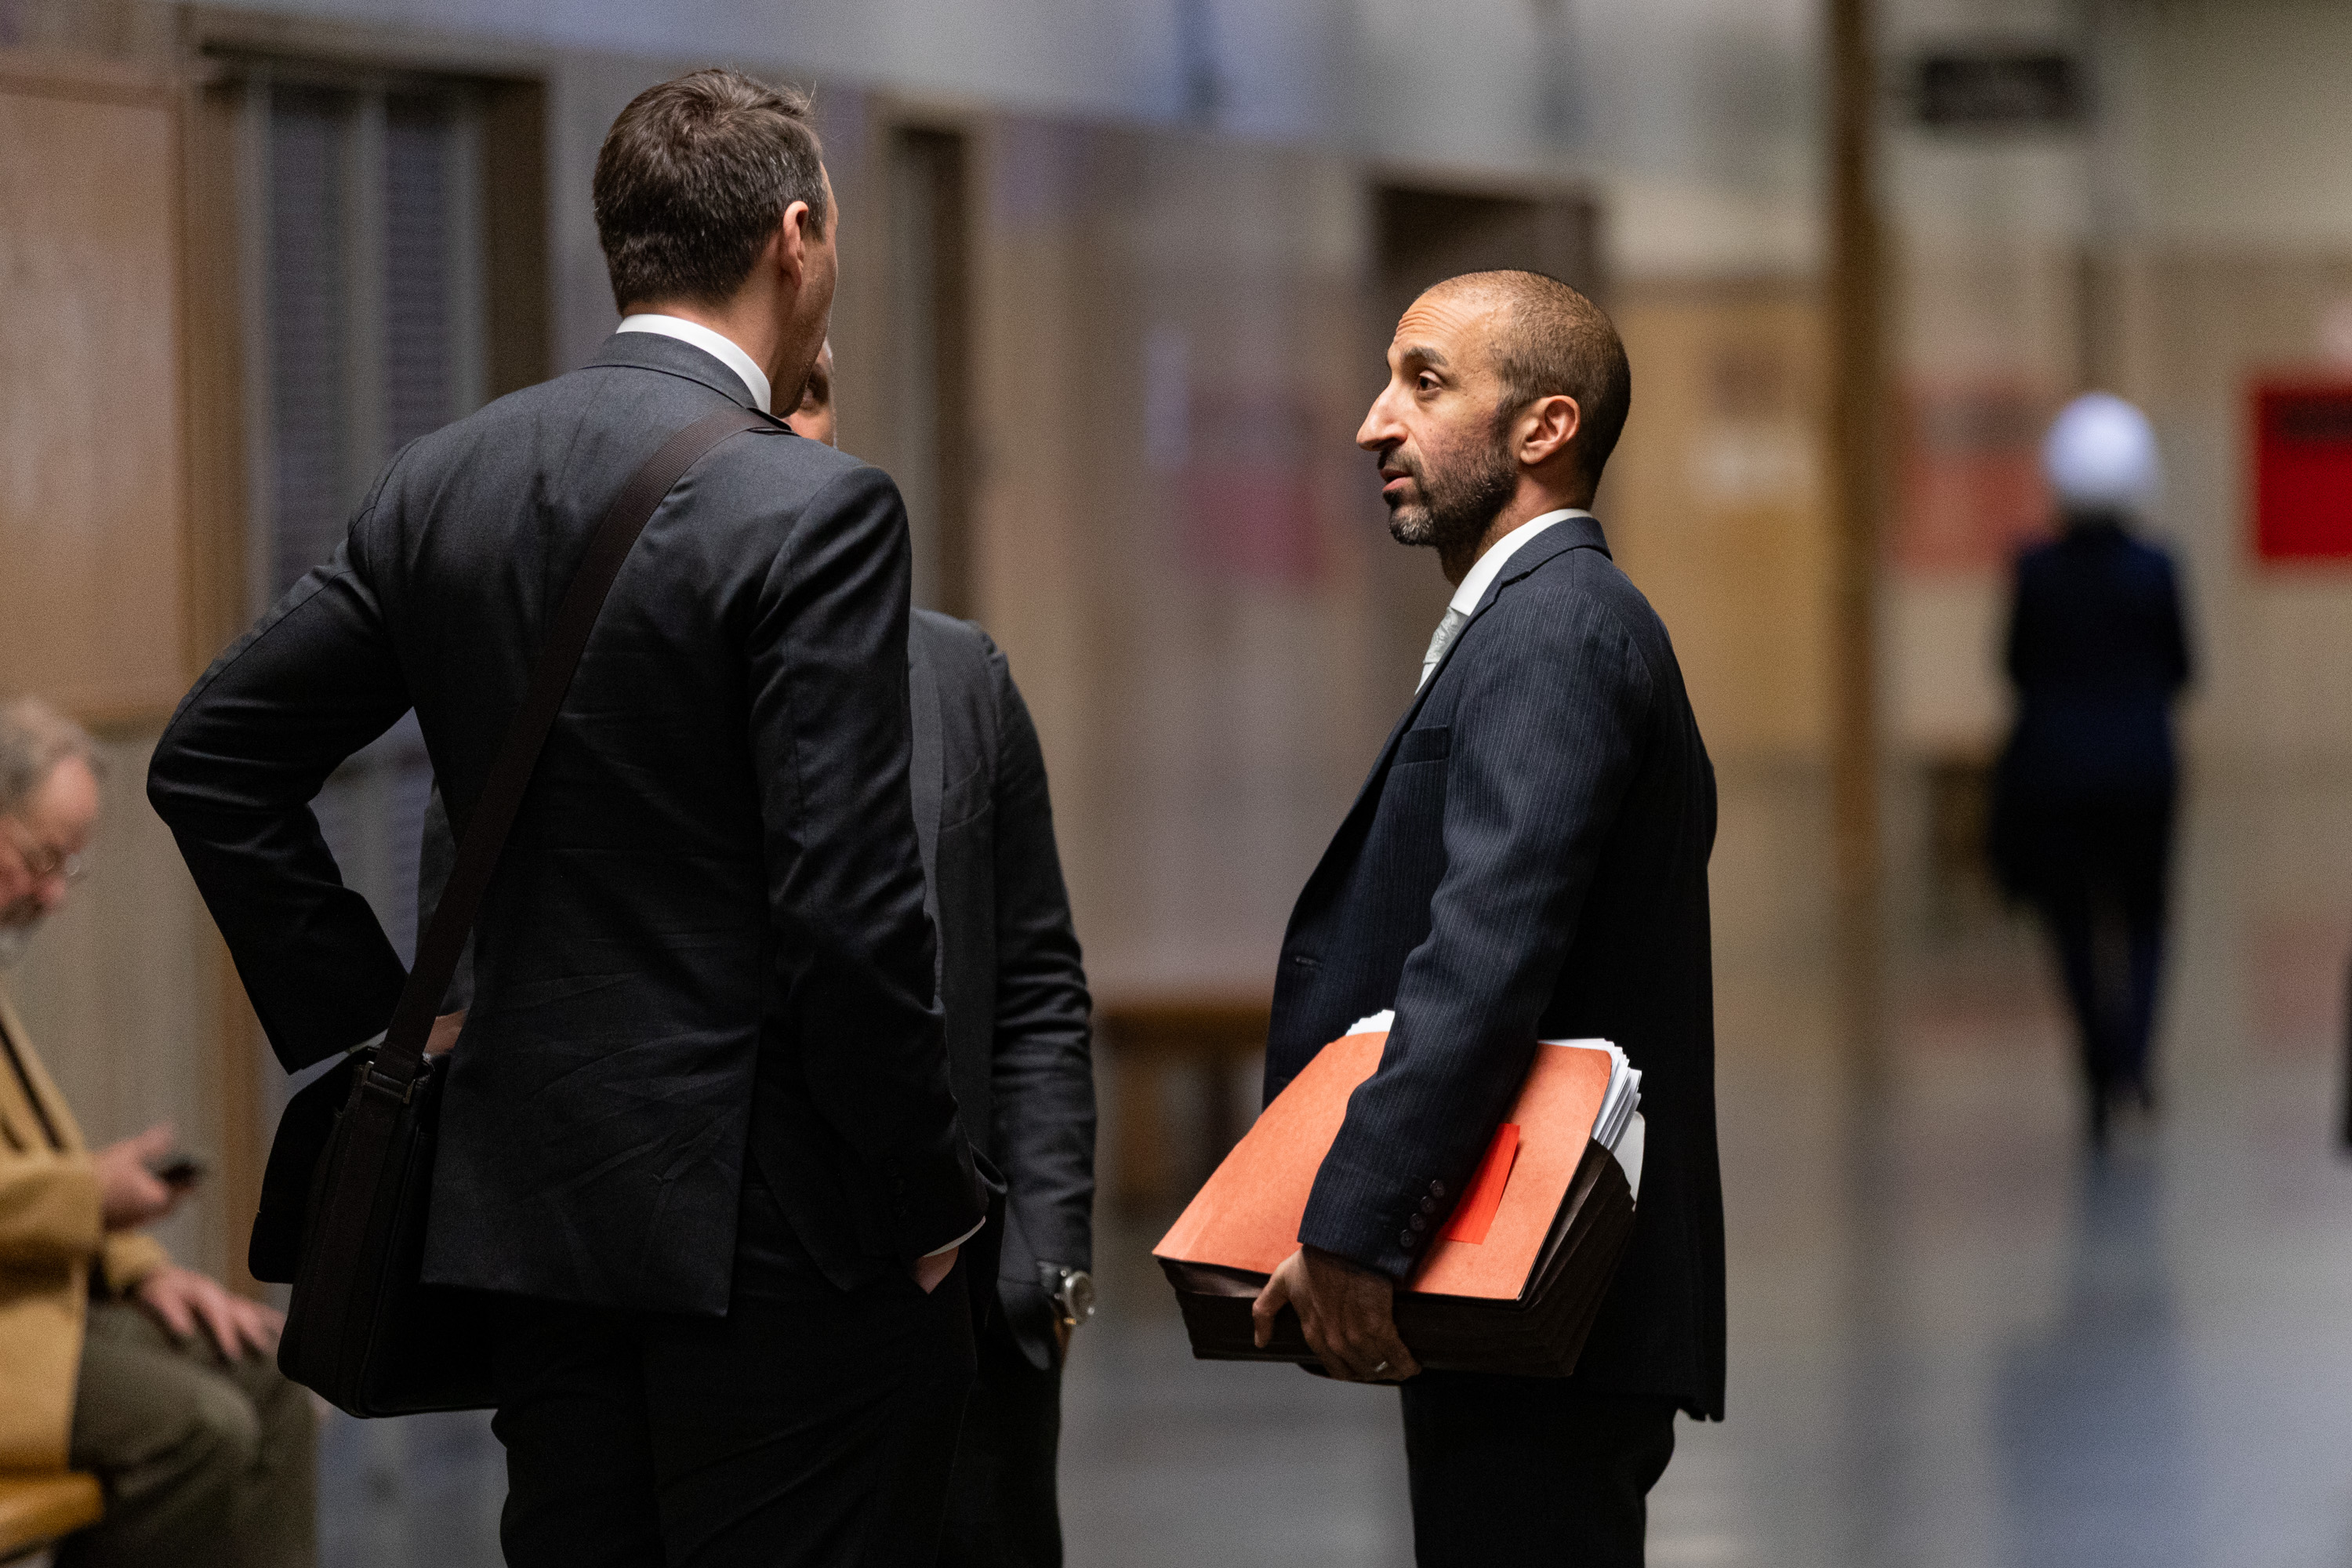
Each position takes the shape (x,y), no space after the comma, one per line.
(1457,505)
(1412,525)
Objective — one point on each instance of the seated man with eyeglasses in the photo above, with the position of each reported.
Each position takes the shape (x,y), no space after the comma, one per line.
(112,1358)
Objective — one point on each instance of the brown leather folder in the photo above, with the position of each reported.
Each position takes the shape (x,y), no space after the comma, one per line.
(1517,1272)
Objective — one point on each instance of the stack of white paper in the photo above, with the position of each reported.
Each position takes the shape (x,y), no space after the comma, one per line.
(1619,1128)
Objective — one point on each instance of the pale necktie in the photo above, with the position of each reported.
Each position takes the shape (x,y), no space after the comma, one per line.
(1452,622)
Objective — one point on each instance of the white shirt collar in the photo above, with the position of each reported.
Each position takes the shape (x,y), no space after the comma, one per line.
(718,345)
(1489,567)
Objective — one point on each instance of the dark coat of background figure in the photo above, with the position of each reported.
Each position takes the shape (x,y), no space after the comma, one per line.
(2083,807)
(1529,860)
(1015,992)
(700,1116)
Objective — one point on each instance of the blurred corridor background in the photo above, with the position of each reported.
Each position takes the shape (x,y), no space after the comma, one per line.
(1115,279)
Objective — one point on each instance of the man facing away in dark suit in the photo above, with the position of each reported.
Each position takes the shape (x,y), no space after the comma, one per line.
(1015,996)
(1527,861)
(699,1135)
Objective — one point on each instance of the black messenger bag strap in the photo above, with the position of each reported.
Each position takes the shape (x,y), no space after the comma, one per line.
(444,943)
(352,1328)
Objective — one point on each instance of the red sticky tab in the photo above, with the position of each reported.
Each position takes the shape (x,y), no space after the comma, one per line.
(1475,1214)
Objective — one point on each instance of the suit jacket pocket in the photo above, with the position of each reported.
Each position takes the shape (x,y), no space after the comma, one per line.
(1432,744)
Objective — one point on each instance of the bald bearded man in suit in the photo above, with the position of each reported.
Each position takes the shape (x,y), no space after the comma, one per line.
(1527,861)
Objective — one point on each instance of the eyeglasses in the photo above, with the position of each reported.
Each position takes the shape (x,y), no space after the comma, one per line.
(47,860)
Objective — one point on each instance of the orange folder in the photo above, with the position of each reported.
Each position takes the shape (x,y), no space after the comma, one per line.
(1514,1274)
(1247,1216)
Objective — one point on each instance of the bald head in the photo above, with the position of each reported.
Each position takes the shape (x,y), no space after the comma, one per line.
(1546,340)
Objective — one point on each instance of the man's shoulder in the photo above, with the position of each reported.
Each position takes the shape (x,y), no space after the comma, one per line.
(2149,558)
(938,632)
(583,414)
(1572,587)
(778,467)
(959,655)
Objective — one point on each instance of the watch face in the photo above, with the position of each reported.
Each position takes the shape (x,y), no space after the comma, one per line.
(1079,1295)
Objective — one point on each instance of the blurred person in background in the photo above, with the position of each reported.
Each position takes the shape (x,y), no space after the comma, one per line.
(112,1358)
(2082,806)
(1528,860)
(1015,996)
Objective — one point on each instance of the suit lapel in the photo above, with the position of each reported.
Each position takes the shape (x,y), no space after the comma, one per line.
(1568,534)
(924,765)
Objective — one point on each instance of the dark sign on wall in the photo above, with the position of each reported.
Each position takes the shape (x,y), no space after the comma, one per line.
(2303,470)
(1997,88)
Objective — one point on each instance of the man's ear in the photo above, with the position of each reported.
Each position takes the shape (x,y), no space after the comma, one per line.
(1547,428)
(794,235)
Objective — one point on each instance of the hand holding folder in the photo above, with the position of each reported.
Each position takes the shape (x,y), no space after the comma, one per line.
(1519,1268)
(1345,1312)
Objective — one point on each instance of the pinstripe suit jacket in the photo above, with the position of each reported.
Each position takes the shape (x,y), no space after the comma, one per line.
(1529,860)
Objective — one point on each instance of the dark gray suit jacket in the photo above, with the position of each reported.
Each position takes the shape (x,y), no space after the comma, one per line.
(1010,975)
(705,933)
(1527,861)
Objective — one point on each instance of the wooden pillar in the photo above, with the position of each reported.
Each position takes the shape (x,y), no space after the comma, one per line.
(1857,493)
(2099,278)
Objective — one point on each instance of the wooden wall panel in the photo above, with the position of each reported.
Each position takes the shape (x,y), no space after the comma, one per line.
(1715,505)
(92,485)
(514,234)
(98,611)
(1173,527)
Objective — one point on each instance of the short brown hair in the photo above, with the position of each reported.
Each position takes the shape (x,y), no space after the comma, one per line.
(693,178)
(1558,342)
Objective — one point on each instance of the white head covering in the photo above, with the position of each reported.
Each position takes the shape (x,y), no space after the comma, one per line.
(2100,456)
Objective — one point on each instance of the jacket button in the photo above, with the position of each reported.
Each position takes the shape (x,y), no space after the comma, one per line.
(1429,1205)
(1419,1223)
(1406,1239)
(1437,1189)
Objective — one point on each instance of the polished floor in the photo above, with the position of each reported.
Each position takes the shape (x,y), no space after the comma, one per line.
(1956,1339)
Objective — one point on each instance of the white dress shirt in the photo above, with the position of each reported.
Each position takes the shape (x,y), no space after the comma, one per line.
(718,345)
(1479,578)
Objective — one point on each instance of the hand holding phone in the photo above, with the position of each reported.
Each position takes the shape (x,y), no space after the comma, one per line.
(130,1193)
(178,1171)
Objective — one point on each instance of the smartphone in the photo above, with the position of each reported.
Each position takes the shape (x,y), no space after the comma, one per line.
(179,1171)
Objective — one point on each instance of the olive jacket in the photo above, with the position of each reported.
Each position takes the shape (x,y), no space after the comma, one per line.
(52,1233)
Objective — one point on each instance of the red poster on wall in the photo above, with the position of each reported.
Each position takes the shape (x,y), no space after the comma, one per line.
(2303,470)
(1971,486)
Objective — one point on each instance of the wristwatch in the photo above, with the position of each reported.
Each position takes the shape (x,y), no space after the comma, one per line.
(1073,1292)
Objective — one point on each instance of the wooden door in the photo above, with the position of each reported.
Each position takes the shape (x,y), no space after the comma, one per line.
(93,485)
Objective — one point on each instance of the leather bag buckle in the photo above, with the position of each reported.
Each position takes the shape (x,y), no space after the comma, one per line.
(378,1082)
